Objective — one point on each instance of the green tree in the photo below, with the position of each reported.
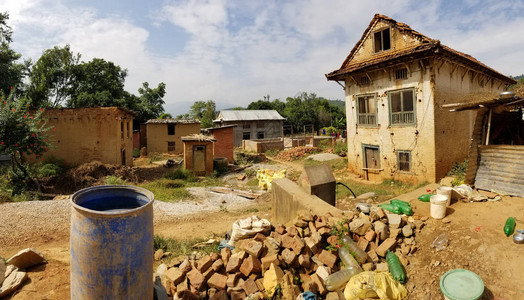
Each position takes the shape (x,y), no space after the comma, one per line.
(22,133)
(52,76)
(150,103)
(204,111)
(11,72)
(98,83)
(165,116)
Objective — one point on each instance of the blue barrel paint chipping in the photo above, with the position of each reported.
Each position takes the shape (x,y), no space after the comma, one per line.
(112,243)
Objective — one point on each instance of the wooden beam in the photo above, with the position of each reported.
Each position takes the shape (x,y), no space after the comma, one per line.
(453,68)
(351,77)
(441,64)
(369,77)
(343,87)
(407,68)
(422,67)
(465,72)
(489,126)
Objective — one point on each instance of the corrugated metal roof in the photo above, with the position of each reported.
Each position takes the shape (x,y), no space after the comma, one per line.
(171,121)
(248,115)
(501,169)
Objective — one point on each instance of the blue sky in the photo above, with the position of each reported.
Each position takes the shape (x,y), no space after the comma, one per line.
(235,52)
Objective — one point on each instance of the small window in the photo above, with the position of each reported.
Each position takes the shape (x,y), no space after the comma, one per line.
(127,127)
(382,40)
(402,107)
(404,160)
(122,130)
(260,135)
(364,80)
(246,136)
(170,129)
(246,125)
(170,146)
(366,110)
(401,73)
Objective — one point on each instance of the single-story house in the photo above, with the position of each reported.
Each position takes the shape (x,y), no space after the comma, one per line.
(165,135)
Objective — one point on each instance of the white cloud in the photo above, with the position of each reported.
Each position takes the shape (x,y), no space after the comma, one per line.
(238,51)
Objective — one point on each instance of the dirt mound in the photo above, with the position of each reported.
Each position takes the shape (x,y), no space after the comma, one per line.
(296,153)
(90,173)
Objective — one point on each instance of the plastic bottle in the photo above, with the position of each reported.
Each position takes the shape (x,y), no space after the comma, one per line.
(404,206)
(352,248)
(425,197)
(509,227)
(395,267)
(347,259)
(391,208)
(337,280)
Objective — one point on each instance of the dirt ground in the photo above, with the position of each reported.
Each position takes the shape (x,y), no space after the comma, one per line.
(476,243)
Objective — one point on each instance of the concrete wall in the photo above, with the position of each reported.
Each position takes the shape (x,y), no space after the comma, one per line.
(417,138)
(271,129)
(224,147)
(454,84)
(288,198)
(82,135)
(261,146)
(188,156)
(157,136)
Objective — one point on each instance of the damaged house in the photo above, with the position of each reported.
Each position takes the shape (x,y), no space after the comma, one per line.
(396,81)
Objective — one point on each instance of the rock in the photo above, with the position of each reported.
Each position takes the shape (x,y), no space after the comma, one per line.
(332,296)
(386,245)
(234,264)
(250,265)
(159,254)
(289,257)
(196,279)
(305,215)
(373,256)
(26,258)
(175,275)
(409,241)
(368,266)
(367,195)
(323,272)
(332,240)
(250,287)
(299,223)
(3,268)
(304,260)
(268,260)
(381,229)
(383,267)
(186,266)
(253,247)
(272,245)
(217,265)
(359,226)
(287,241)
(363,207)
(370,235)
(204,263)
(327,258)
(225,253)
(376,213)
(272,277)
(161,270)
(232,279)
(289,289)
(217,281)
(394,220)
(321,287)
(12,282)
(407,231)
(297,245)
(394,232)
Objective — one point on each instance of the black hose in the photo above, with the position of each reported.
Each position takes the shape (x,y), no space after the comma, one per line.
(347,188)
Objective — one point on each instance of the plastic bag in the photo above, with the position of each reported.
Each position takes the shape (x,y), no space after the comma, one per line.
(265,176)
(374,284)
(246,228)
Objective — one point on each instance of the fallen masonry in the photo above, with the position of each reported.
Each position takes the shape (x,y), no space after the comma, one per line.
(290,260)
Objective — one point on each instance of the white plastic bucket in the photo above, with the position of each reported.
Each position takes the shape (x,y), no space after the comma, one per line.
(438,206)
(446,191)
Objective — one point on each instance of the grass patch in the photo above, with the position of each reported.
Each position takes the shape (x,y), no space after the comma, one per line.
(252,182)
(387,187)
(180,173)
(334,164)
(168,190)
(272,152)
(181,247)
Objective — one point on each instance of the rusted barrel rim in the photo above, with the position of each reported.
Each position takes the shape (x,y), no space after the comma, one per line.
(148,194)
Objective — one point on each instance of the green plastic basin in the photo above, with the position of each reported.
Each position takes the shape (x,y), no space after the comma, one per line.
(460,284)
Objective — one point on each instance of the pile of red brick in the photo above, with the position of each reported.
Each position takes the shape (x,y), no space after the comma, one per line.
(288,260)
(296,153)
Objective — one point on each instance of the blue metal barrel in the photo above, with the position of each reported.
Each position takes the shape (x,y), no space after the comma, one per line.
(112,243)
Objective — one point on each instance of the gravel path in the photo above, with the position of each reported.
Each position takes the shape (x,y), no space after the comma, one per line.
(21,221)
(323,156)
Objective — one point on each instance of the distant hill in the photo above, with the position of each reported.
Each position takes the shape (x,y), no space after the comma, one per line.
(339,103)
(517,78)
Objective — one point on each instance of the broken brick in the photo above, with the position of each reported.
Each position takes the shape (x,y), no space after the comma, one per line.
(232,279)
(225,253)
(319,283)
(217,265)
(250,286)
(386,245)
(289,256)
(234,264)
(327,258)
(268,260)
(253,247)
(196,279)
(185,266)
(250,265)
(175,275)
(204,263)
(287,241)
(217,281)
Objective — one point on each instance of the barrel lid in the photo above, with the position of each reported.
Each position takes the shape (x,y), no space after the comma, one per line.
(460,284)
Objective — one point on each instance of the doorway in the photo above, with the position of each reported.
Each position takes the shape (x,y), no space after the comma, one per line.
(199,159)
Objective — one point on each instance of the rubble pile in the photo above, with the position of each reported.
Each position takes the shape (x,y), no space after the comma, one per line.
(12,272)
(290,260)
(296,153)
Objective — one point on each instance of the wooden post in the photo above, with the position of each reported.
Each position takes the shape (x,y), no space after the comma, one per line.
(489,125)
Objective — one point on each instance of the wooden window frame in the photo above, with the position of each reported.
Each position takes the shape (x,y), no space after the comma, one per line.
(409,162)
(173,147)
(169,132)
(381,40)
(391,113)
(401,74)
(375,113)
(365,167)
(244,135)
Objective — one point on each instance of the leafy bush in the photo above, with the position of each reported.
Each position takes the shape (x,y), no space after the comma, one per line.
(458,170)
(341,148)
(136,152)
(272,152)
(49,169)
(115,180)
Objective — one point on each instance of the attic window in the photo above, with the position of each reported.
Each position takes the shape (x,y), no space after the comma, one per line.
(382,40)
(401,73)
(364,80)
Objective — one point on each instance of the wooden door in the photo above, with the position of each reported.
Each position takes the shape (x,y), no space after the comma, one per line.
(372,157)
(199,159)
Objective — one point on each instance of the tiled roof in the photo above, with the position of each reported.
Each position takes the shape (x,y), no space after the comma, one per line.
(428,47)
(248,115)
(171,121)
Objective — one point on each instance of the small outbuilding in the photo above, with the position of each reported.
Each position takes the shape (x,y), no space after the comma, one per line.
(198,153)
(224,145)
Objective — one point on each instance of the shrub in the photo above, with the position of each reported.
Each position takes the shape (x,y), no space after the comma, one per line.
(136,152)
(458,170)
(341,148)
(180,173)
(49,169)
(115,180)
